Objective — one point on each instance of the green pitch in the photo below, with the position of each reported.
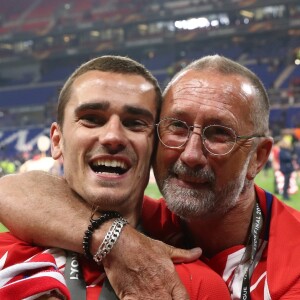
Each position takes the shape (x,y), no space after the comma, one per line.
(2,228)
(266,181)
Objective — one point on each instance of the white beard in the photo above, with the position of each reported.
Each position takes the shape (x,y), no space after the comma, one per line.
(191,203)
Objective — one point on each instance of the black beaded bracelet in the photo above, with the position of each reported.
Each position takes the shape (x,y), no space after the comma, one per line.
(95,224)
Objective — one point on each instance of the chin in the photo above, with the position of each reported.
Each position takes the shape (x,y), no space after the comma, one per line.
(108,201)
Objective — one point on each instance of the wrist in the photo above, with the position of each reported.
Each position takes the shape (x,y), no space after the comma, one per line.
(111,235)
(99,236)
(95,224)
(110,239)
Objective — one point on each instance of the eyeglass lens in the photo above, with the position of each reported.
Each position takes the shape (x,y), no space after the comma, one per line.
(216,139)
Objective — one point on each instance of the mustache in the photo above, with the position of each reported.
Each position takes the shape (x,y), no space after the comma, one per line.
(203,174)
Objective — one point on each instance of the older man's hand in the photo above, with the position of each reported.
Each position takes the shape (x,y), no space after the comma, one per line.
(141,268)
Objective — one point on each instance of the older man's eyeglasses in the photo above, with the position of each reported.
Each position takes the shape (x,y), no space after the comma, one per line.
(216,139)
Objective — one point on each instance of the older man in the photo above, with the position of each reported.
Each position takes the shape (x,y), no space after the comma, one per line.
(104,134)
(214,140)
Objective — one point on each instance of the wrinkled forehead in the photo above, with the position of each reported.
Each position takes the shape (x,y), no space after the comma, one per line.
(209,92)
(211,80)
(210,83)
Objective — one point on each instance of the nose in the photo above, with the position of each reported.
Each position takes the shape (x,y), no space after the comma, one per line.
(113,137)
(192,154)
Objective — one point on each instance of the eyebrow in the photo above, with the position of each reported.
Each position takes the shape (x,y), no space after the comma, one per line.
(104,106)
(139,111)
(92,106)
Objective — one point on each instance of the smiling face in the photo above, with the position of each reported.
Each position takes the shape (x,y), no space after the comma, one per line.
(106,139)
(194,182)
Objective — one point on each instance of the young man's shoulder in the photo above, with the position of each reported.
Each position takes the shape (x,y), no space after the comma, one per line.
(27,270)
(16,248)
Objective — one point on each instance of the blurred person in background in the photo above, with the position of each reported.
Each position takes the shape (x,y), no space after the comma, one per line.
(286,164)
(105,134)
(213,141)
(297,153)
(276,166)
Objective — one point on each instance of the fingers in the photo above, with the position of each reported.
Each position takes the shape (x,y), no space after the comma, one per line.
(141,268)
(183,256)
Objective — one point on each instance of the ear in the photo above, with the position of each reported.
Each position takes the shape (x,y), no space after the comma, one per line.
(260,157)
(56,141)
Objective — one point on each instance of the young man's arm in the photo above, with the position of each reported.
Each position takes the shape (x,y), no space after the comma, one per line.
(41,209)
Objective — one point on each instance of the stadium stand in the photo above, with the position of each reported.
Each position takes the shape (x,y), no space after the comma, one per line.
(41,42)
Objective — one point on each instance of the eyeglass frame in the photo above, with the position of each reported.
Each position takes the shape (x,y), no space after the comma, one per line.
(191,131)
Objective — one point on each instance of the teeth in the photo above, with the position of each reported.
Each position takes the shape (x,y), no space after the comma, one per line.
(110,163)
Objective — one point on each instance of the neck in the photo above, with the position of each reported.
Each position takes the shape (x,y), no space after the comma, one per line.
(130,209)
(133,213)
(220,232)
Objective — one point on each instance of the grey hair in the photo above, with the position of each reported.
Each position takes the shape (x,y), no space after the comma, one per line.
(260,108)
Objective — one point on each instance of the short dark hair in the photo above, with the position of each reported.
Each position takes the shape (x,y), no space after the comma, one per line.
(106,63)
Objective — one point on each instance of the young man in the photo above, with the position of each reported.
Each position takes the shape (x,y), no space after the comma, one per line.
(105,135)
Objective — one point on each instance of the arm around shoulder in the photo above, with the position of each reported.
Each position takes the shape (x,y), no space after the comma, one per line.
(41,208)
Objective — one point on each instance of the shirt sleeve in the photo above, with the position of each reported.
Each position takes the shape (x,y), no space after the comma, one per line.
(28,272)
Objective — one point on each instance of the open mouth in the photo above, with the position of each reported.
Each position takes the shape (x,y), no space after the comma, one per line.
(109,166)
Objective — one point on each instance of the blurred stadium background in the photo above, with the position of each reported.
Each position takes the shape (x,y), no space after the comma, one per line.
(41,42)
